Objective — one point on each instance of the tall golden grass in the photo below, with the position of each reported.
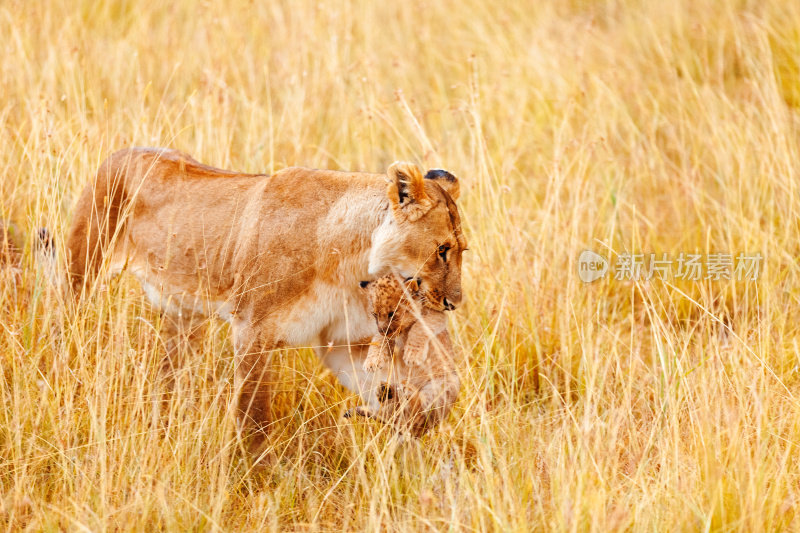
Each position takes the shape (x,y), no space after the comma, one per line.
(618,126)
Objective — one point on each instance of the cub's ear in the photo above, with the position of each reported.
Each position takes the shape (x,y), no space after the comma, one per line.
(406,191)
(412,284)
(446,181)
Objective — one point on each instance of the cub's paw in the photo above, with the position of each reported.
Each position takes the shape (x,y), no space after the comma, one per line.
(414,356)
(377,355)
(373,364)
(415,351)
(386,393)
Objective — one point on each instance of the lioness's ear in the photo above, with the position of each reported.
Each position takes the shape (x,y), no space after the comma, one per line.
(406,191)
(446,181)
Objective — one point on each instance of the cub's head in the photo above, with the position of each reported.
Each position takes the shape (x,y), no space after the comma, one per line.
(422,239)
(389,304)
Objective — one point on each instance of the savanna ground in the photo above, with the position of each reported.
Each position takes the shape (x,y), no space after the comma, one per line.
(616,126)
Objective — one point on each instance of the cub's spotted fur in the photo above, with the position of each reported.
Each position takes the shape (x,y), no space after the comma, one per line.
(396,315)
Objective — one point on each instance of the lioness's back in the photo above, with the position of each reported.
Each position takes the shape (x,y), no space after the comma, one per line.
(161,189)
(178,216)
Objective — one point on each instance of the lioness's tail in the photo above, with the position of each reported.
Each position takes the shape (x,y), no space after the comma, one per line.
(44,250)
(42,247)
(96,220)
(10,252)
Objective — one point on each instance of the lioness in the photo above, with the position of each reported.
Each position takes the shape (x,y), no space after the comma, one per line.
(279,256)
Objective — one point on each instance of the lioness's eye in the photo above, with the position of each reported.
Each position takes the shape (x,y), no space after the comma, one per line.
(443,251)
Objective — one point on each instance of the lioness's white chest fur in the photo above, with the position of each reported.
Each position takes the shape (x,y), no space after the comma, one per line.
(327,314)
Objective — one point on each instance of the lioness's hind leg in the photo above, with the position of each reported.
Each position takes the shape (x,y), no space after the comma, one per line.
(98,216)
(181,335)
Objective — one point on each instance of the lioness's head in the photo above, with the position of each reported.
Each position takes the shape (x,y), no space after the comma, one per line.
(422,239)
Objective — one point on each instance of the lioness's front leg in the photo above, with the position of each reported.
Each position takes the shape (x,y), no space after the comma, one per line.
(253,376)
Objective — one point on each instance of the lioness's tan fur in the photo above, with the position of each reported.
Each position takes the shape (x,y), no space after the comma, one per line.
(278,256)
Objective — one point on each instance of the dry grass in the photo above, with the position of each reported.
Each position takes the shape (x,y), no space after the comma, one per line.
(638,126)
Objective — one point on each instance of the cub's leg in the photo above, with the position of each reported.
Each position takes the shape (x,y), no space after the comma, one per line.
(400,408)
(379,353)
(386,395)
(253,379)
(421,335)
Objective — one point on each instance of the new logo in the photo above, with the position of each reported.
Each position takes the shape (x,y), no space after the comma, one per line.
(591,266)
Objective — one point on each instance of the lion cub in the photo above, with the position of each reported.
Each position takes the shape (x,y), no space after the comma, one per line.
(397,322)
(429,384)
